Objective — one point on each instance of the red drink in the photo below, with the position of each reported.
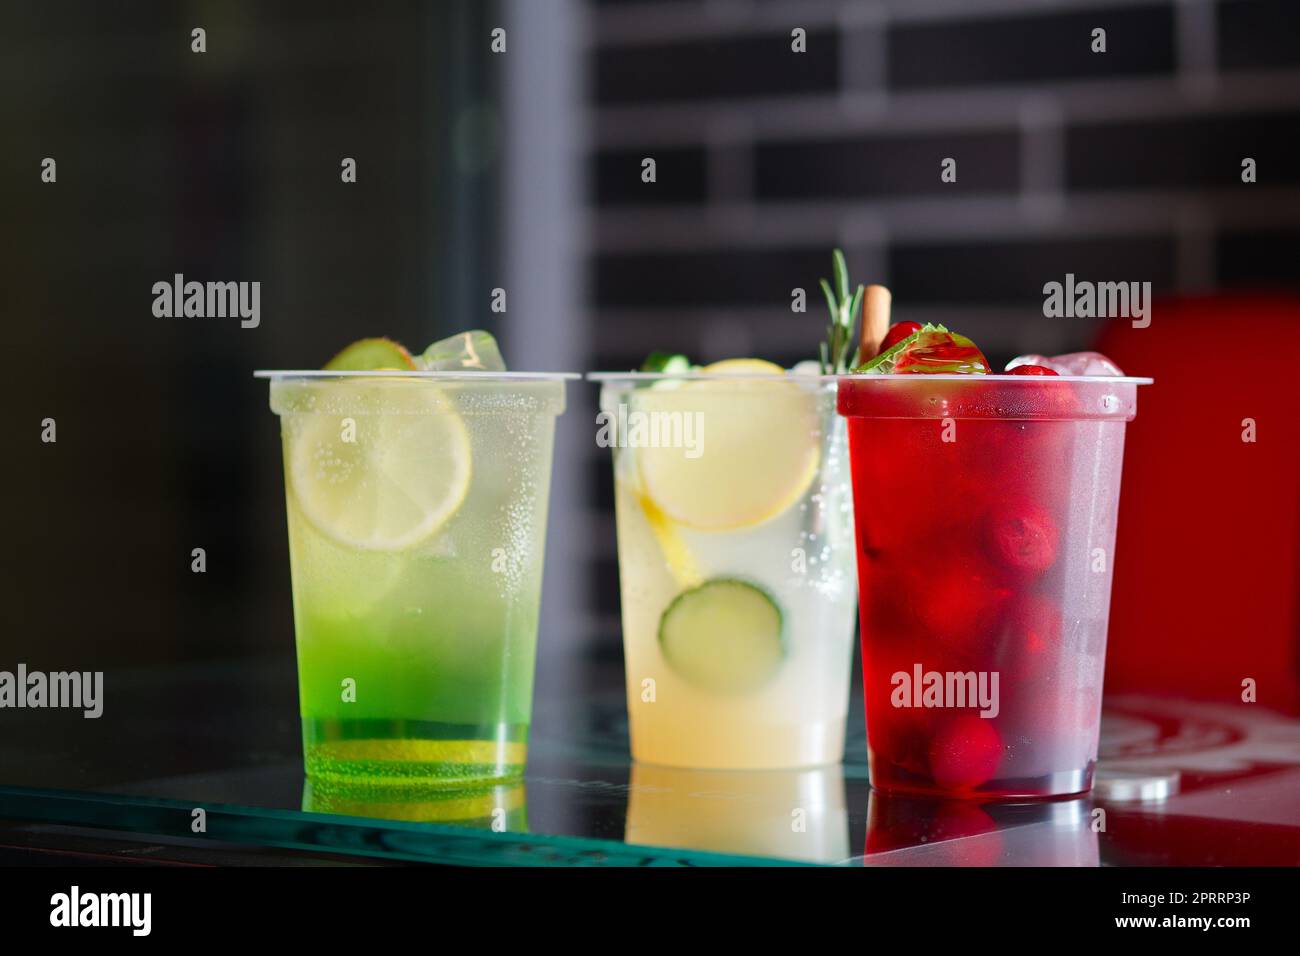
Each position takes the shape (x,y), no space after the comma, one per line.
(985,511)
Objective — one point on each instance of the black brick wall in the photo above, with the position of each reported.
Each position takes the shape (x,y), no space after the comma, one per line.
(1034,49)
(1195,152)
(886,166)
(744,68)
(1259,34)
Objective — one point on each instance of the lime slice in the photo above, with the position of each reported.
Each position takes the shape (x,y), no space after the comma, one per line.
(725,636)
(392,766)
(387,470)
(759,446)
(369,355)
(666,363)
(416,802)
(397,751)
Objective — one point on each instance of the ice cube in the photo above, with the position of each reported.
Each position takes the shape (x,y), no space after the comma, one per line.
(1072,363)
(474,350)
(1084,363)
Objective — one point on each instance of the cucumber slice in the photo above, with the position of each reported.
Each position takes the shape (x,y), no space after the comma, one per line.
(726,635)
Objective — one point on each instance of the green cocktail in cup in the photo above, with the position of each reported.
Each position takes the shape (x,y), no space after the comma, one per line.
(417,517)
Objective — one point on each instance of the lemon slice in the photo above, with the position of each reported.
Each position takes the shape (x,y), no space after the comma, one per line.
(759,450)
(743,367)
(677,554)
(386,468)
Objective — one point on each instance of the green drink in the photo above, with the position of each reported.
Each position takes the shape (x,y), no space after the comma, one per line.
(417,517)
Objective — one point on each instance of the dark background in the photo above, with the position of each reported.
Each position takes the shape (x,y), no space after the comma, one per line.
(522,171)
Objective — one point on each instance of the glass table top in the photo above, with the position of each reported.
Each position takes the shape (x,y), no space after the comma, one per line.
(211,752)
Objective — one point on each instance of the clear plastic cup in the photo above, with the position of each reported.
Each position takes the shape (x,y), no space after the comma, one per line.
(986,509)
(417,509)
(736,567)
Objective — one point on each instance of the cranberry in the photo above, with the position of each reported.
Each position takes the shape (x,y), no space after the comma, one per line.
(1031,646)
(1038,620)
(1032,370)
(959,609)
(1021,536)
(965,753)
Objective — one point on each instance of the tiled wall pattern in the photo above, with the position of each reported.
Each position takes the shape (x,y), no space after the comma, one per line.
(1117,166)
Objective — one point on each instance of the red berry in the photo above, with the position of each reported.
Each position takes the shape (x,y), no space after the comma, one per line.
(1038,621)
(1031,646)
(897,332)
(1021,536)
(965,753)
(959,609)
(1032,370)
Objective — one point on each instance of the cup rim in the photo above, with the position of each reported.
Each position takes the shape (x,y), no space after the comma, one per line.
(707,377)
(856,377)
(1024,379)
(458,375)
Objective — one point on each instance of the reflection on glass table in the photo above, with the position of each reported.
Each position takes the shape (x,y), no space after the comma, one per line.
(502,808)
(1197,785)
(782,814)
(920,831)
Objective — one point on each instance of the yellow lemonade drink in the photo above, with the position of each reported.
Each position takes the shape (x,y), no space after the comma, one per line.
(736,564)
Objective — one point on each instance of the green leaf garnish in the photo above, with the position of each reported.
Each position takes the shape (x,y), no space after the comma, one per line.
(839,351)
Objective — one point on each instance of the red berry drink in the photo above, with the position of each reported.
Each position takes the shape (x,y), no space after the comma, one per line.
(985,508)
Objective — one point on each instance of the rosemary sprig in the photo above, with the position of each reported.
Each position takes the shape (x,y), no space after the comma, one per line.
(839,351)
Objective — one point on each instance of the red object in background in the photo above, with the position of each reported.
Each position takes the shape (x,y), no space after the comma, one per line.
(1207,563)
